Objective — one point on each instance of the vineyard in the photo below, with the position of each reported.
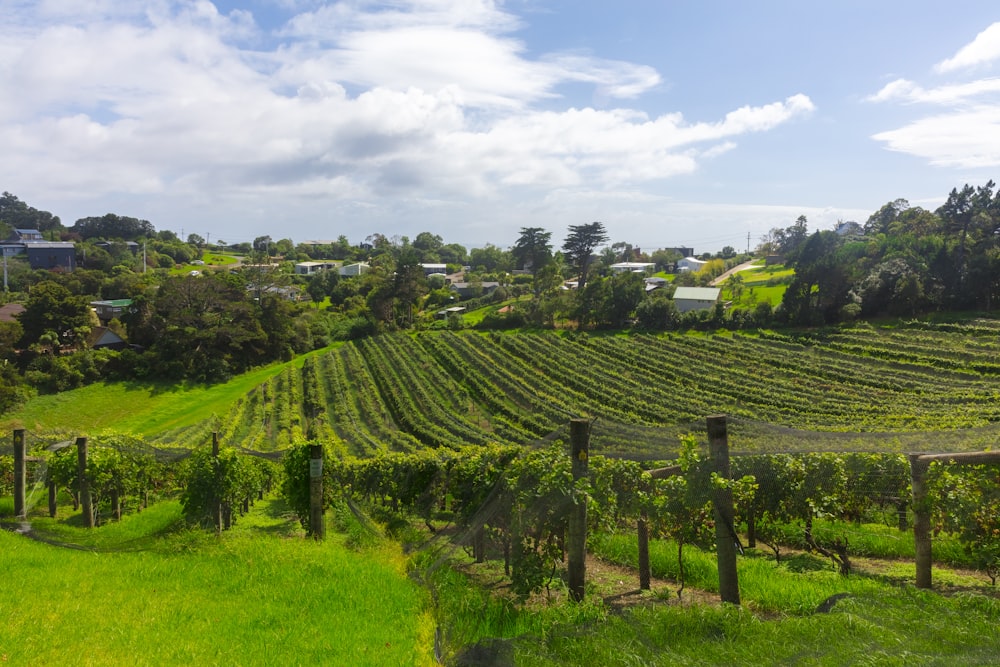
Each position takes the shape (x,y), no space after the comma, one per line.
(917,387)
(457,443)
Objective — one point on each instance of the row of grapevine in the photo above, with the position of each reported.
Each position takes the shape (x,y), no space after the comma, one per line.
(513,503)
(401,392)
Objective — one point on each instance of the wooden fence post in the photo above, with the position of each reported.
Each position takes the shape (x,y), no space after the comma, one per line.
(576,540)
(317,527)
(722,502)
(921,519)
(86,505)
(645,571)
(217,500)
(20,474)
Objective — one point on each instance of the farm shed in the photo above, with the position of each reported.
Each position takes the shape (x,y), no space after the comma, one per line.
(696,298)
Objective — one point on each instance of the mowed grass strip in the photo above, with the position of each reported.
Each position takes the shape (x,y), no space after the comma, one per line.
(255,596)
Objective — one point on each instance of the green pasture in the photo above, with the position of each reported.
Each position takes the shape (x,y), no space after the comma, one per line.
(148,591)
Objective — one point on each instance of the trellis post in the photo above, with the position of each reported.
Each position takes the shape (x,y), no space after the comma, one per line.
(919,465)
(86,505)
(20,474)
(722,502)
(921,519)
(316,524)
(217,500)
(645,571)
(576,541)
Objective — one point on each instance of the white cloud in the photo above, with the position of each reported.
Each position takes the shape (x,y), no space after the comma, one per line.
(967,133)
(968,139)
(426,100)
(909,92)
(984,49)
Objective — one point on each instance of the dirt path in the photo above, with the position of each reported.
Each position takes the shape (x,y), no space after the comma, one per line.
(739,267)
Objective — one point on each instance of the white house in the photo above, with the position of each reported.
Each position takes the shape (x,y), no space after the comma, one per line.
(354,269)
(696,298)
(632,267)
(430,269)
(690,264)
(309,268)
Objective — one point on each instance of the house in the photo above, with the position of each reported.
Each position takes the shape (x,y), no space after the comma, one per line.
(430,269)
(354,269)
(681,250)
(470,290)
(132,246)
(103,337)
(849,228)
(444,314)
(696,298)
(654,282)
(111,309)
(27,236)
(690,264)
(632,267)
(309,268)
(51,255)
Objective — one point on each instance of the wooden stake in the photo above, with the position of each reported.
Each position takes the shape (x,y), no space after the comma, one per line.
(645,571)
(20,475)
(576,541)
(317,526)
(216,501)
(921,519)
(722,502)
(86,505)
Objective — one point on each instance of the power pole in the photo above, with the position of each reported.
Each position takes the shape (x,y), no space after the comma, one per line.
(748,243)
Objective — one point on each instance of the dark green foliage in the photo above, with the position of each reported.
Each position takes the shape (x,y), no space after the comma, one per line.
(112,226)
(230,479)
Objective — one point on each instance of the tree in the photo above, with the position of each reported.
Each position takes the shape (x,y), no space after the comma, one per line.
(19,215)
(533,250)
(428,245)
(204,328)
(52,308)
(579,246)
(489,259)
(112,226)
(262,244)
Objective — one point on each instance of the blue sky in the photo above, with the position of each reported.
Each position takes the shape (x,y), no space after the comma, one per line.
(673,123)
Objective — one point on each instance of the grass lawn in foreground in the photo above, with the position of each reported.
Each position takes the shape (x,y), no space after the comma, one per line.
(261,594)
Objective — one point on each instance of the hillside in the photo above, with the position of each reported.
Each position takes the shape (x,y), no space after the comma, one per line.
(907,383)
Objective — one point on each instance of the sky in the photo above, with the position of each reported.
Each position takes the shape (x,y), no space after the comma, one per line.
(699,123)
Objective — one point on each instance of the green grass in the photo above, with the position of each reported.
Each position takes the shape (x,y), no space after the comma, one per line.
(154,594)
(877,622)
(140,408)
(895,627)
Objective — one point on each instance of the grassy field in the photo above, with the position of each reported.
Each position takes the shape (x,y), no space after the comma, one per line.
(147,591)
(141,408)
